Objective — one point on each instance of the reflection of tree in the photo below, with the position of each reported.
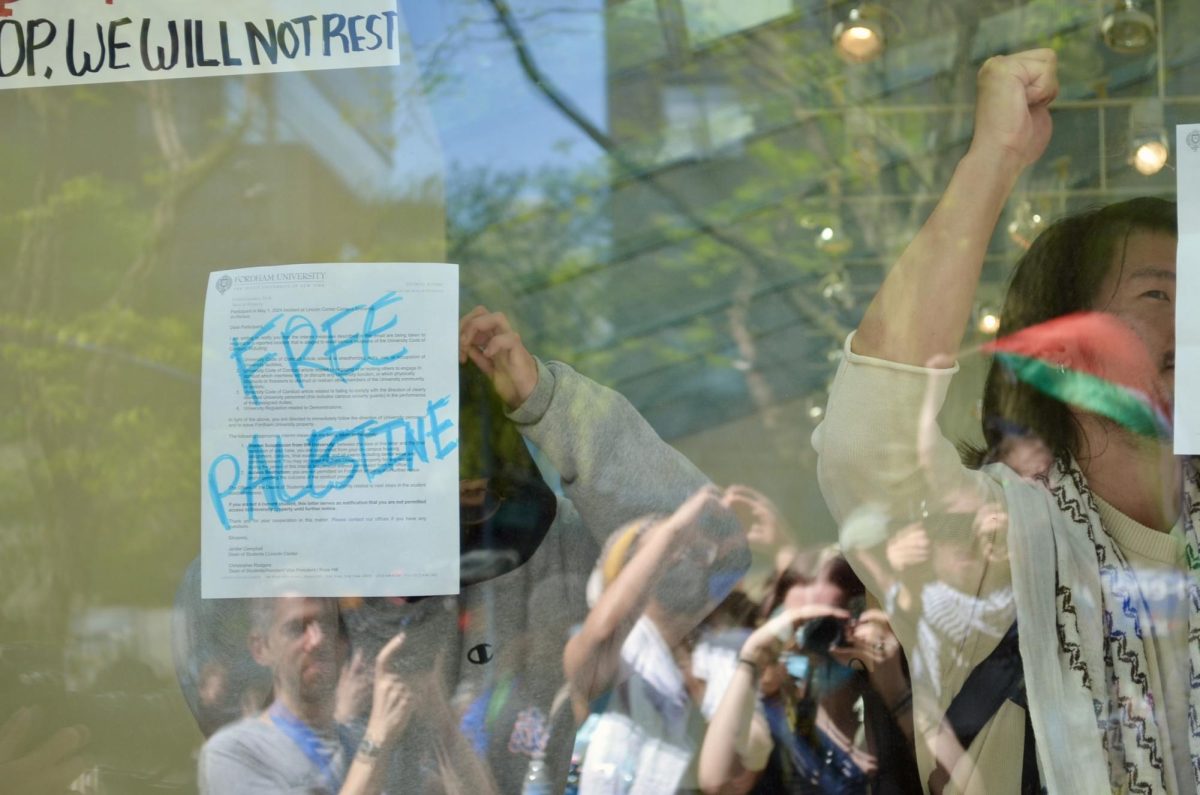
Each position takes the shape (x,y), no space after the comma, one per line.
(720,251)
(724,236)
(118,200)
(518,233)
(102,378)
(184,172)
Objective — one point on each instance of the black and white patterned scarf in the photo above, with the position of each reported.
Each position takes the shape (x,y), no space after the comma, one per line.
(1091,701)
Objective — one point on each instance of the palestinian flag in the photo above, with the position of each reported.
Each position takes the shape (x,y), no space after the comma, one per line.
(1093,361)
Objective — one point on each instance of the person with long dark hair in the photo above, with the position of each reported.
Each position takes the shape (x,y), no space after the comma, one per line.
(819,701)
(1094,685)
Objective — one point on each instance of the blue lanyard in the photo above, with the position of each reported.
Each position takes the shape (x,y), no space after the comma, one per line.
(309,744)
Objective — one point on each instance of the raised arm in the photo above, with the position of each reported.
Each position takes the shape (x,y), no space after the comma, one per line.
(395,700)
(881,450)
(592,656)
(919,314)
(391,711)
(614,467)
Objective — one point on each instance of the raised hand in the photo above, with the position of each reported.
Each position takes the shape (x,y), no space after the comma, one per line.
(687,520)
(488,340)
(908,547)
(765,644)
(353,689)
(870,641)
(392,698)
(874,646)
(1012,116)
(766,529)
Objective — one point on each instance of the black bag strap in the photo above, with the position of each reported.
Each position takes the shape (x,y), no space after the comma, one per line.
(999,678)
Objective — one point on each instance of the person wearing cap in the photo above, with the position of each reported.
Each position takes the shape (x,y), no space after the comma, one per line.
(661,576)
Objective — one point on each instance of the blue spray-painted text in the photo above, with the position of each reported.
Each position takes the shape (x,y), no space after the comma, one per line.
(300,335)
(335,458)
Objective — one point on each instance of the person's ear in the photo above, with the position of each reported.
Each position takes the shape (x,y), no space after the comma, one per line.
(259,649)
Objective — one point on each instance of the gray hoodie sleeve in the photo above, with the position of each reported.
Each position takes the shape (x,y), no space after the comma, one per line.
(614,467)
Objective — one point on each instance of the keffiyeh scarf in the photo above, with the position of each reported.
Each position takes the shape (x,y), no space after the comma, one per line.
(1091,703)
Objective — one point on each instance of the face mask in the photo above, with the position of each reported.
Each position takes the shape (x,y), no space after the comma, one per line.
(797,666)
(829,676)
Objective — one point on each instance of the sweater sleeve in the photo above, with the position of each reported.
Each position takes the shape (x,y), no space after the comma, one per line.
(881,454)
(879,444)
(886,470)
(614,467)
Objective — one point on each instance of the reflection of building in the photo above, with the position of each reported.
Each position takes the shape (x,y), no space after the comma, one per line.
(333,163)
(360,124)
(748,146)
(702,120)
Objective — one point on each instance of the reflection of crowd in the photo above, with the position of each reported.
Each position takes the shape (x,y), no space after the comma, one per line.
(485,698)
(50,744)
(820,700)
(789,712)
(519,684)
(1024,622)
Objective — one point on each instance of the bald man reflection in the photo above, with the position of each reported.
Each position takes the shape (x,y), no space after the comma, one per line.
(295,745)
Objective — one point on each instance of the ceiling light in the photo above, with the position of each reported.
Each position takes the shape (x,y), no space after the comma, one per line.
(1127,28)
(1149,147)
(832,240)
(814,406)
(1150,155)
(859,37)
(989,320)
(835,288)
(1025,224)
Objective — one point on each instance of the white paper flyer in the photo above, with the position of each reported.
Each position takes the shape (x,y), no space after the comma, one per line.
(329,431)
(1187,292)
(84,42)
